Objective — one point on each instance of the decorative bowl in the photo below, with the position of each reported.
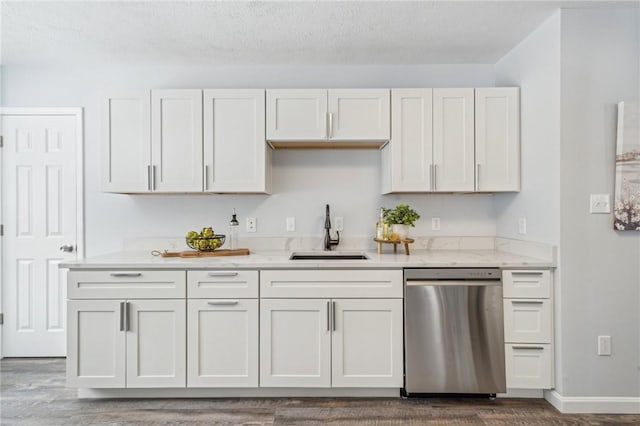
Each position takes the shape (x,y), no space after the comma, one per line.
(206,244)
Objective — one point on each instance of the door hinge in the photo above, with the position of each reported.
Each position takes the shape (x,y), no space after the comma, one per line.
(1,319)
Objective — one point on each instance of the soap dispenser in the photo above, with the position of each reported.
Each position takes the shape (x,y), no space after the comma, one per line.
(233,231)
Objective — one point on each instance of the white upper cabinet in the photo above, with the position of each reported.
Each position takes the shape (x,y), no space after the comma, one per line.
(359,114)
(453,140)
(176,140)
(408,158)
(235,151)
(126,142)
(297,114)
(497,112)
(335,115)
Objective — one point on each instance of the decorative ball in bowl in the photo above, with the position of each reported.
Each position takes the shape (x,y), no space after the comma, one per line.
(206,240)
(206,243)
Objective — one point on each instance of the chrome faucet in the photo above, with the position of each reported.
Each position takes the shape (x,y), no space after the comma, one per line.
(328,241)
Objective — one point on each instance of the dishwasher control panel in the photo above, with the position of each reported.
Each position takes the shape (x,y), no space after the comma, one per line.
(451,274)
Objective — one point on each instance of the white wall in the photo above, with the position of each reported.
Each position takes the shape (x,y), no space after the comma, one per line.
(303,181)
(534,66)
(600,268)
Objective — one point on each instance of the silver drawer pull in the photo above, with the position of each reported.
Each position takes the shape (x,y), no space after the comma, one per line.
(126,274)
(223,303)
(535,273)
(222,274)
(528,302)
(533,348)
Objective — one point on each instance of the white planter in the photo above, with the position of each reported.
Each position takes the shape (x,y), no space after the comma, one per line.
(401,230)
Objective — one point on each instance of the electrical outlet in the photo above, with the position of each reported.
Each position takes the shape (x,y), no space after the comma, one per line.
(435,223)
(604,345)
(339,223)
(252,225)
(291,224)
(522,226)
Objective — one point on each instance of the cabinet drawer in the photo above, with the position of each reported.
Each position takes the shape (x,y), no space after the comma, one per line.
(119,284)
(527,320)
(331,283)
(525,284)
(529,366)
(222,284)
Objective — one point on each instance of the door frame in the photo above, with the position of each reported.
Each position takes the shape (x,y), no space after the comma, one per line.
(78,114)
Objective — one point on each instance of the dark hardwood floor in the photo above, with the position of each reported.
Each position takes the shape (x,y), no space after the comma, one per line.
(33,393)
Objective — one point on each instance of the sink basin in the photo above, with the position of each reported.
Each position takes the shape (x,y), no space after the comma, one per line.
(328,256)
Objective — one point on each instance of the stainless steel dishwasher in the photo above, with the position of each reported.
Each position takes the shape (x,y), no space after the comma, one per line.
(454,337)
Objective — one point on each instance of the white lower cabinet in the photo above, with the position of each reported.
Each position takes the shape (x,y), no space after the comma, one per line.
(366,343)
(133,344)
(222,343)
(528,329)
(295,343)
(331,343)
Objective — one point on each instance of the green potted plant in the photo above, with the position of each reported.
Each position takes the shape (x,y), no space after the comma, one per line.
(401,218)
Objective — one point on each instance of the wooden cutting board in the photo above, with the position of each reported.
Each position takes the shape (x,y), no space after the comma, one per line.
(193,253)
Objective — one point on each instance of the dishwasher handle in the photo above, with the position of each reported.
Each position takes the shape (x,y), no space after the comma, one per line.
(451,283)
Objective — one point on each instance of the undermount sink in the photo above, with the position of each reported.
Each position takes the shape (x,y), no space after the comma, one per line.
(328,256)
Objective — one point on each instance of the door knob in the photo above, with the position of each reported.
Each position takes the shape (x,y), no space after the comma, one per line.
(67,248)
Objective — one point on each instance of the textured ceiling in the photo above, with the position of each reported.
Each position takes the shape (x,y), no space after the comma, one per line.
(267,32)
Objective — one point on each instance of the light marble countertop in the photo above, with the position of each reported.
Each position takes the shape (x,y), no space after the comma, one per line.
(277,259)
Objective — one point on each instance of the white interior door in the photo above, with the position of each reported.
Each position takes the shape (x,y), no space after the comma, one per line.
(41,193)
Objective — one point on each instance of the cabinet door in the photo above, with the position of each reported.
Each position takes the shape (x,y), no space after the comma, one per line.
(222,348)
(297,114)
(359,114)
(410,147)
(176,140)
(453,140)
(295,343)
(156,341)
(235,150)
(497,112)
(367,343)
(126,142)
(95,344)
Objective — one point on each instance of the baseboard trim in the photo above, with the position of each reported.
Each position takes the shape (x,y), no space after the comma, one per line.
(593,404)
(236,392)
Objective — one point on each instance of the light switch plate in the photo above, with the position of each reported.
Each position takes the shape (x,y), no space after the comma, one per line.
(339,223)
(291,224)
(435,223)
(600,203)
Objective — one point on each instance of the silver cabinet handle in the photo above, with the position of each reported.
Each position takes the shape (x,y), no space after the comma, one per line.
(520,273)
(435,177)
(67,248)
(326,125)
(222,274)
(333,315)
(153,178)
(127,323)
(149,177)
(478,177)
(330,125)
(223,302)
(328,316)
(125,274)
(122,316)
(537,348)
(205,172)
(431,177)
(527,302)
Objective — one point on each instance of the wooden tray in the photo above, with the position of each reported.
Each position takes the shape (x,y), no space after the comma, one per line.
(395,243)
(193,253)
